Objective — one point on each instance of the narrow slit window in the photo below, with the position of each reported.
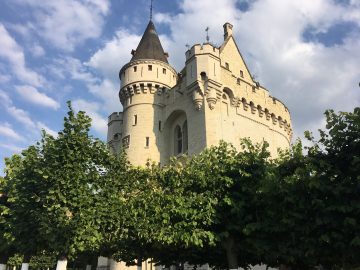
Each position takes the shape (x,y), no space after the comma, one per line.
(227,65)
(135,120)
(150,67)
(178,142)
(164,70)
(185,137)
(147,141)
(135,68)
(241,74)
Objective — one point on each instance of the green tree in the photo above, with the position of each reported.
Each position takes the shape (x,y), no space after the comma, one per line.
(73,166)
(317,205)
(6,247)
(55,189)
(208,206)
(335,188)
(25,212)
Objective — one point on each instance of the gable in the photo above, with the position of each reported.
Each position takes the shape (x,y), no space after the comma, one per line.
(230,56)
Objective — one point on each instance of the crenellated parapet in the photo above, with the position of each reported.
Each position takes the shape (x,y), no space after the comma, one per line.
(115,116)
(200,49)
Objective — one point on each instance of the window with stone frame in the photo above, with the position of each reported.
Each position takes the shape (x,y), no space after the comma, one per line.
(126,141)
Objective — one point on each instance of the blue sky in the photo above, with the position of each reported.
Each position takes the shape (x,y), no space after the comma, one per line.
(307,53)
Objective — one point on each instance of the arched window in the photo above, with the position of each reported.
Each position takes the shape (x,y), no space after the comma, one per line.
(178,143)
(185,136)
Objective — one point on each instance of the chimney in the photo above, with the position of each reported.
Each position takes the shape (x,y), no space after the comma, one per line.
(227,30)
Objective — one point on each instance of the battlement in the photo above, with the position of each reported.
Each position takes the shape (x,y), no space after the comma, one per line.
(115,116)
(273,111)
(199,49)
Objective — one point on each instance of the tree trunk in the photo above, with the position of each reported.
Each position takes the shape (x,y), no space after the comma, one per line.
(114,265)
(231,254)
(25,263)
(139,263)
(3,261)
(25,266)
(61,263)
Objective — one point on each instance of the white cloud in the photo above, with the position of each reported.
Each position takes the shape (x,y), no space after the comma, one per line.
(48,130)
(4,78)
(37,50)
(11,147)
(7,131)
(4,98)
(307,76)
(100,80)
(99,123)
(67,23)
(14,54)
(115,53)
(32,95)
(21,116)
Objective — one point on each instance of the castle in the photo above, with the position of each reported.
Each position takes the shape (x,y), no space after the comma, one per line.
(213,98)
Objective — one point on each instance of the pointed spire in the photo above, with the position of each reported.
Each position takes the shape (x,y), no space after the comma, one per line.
(151,9)
(150,46)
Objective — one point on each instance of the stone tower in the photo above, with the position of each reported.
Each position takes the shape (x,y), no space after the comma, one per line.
(213,98)
(143,80)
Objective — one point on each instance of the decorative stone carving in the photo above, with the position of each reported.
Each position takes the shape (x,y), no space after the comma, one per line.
(212,92)
(197,99)
(211,102)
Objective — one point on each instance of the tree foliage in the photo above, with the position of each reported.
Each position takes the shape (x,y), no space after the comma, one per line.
(231,208)
(54,190)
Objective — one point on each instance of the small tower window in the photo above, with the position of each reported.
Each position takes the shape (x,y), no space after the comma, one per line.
(150,67)
(135,68)
(135,120)
(147,141)
(241,74)
(238,80)
(126,141)
(164,70)
(227,65)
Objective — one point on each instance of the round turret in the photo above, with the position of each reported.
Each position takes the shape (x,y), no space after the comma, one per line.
(144,81)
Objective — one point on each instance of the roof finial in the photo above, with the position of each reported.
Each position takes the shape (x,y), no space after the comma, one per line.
(207,34)
(151,9)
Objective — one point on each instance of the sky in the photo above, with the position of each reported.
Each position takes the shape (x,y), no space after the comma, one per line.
(306,53)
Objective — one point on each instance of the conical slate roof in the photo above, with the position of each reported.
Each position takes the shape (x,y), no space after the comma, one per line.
(150,46)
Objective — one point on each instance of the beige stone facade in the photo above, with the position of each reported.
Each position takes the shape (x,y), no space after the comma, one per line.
(213,98)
